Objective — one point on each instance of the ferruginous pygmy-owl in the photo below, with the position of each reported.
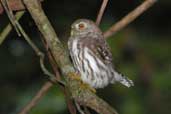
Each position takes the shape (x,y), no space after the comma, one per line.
(91,56)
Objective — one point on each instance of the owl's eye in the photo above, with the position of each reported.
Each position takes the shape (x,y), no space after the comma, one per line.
(81,26)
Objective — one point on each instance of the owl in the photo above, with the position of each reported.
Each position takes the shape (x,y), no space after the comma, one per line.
(91,56)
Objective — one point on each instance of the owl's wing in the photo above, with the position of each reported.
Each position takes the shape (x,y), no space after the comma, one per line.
(101,49)
(103,52)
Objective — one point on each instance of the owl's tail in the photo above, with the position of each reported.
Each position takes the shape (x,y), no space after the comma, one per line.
(122,79)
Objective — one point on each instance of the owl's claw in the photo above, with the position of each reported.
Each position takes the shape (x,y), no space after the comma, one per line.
(75,76)
(87,86)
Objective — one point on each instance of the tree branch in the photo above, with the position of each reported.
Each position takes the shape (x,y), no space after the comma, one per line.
(129,18)
(36,98)
(101,11)
(82,96)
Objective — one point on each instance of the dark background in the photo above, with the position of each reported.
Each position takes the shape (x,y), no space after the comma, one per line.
(141,51)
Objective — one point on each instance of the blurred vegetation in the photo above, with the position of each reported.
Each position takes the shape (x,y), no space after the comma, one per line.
(142,51)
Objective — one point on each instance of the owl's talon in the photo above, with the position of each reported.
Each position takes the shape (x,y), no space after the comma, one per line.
(74,76)
(86,86)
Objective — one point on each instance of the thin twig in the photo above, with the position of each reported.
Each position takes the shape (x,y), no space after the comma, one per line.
(129,18)
(8,28)
(36,98)
(101,11)
(52,77)
(51,60)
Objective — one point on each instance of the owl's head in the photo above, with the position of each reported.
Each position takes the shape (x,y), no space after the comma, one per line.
(83,27)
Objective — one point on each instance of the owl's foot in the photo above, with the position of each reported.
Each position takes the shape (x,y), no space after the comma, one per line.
(74,76)
(87,86)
